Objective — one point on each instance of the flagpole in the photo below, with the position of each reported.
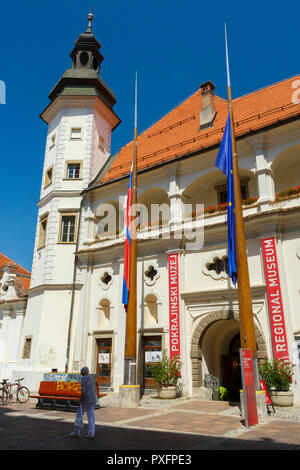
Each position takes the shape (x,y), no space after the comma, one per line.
(247,331)
(131,315)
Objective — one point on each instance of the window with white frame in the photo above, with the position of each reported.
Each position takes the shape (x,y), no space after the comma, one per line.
(68,228)
(73,170)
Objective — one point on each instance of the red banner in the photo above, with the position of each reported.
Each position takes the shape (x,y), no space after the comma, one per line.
(277,322)
(174,305)
(248,380)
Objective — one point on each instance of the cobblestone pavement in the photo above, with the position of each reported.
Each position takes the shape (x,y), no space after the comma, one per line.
(178,425)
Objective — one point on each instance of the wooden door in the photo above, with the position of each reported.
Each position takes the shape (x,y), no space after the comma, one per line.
(104,362)
(231,370)
(152,345)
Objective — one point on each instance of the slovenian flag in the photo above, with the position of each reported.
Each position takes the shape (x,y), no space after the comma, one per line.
(224,163)
(125,294)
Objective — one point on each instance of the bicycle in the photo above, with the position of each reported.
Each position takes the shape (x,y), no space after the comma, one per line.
(3,395)
(22,394)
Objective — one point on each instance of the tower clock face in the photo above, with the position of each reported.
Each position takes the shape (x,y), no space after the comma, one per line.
(84,58)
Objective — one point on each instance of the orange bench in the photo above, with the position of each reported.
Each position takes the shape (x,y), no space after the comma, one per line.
(61,395)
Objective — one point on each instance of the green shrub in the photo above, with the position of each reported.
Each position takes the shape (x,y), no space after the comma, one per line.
(166,372)
(277,374)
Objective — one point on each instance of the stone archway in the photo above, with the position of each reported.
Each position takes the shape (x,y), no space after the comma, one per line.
(204,323)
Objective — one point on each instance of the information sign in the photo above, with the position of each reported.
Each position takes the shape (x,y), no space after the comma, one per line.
(248,380)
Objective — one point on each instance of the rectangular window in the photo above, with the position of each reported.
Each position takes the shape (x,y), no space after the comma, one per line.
(49,176)
(101,142)
(67,229)
(43,233)
(73,170)
(222,194)
(52,141)
(76,133)
(27,348)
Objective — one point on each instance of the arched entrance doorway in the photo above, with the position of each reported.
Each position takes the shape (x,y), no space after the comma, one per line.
(231,369)
(215,350)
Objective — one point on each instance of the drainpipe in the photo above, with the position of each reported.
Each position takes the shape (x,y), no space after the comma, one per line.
(73,288)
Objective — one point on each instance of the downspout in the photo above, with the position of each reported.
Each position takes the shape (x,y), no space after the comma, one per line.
(73,288)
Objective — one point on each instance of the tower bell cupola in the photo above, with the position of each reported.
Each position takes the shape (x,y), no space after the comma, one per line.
(84,76)
(85,54)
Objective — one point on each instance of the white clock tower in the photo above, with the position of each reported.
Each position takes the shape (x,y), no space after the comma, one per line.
(80,120)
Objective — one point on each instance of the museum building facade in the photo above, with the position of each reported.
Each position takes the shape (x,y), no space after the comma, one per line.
(75,314)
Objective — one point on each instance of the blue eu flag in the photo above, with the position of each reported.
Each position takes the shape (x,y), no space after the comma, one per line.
(224,163)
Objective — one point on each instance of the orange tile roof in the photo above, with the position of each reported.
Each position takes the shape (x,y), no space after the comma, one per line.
(21,272)
(177,133)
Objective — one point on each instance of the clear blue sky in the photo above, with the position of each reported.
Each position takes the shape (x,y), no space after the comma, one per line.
(175,46)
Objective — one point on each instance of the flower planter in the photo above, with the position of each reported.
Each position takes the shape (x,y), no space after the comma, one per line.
(282,398)
(168,392)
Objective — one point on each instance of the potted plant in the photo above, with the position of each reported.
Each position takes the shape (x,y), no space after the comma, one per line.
(166,374)
(224,396)
(277,374)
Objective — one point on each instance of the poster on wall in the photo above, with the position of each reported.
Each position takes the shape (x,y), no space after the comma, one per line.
(153,356)
(103,358)
(174,305)
(276,313)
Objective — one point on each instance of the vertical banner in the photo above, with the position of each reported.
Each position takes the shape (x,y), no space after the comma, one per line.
(174,305)
(276,314)
(248,380)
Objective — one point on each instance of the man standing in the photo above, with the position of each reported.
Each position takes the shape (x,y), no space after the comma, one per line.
(88,399)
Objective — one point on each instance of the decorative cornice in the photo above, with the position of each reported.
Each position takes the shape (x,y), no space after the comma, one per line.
(82,101)
(219,295)
(43,287)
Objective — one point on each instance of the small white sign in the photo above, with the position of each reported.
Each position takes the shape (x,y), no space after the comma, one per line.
(153,356)
(103,358)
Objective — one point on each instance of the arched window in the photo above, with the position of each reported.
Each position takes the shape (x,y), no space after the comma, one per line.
(150,311)
(104,313)
(157,208)
(109,220)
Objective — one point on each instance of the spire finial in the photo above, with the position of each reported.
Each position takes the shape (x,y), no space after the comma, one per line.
(90,18)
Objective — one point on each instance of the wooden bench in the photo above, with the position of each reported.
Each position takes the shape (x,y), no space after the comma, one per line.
(64,395)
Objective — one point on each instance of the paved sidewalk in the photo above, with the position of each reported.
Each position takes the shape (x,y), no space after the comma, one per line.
(178,425)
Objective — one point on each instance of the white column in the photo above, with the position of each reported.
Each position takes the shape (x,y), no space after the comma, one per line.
(265,181)
(175,200)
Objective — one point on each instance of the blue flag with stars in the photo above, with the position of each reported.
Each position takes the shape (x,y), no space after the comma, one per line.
(224,163)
